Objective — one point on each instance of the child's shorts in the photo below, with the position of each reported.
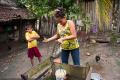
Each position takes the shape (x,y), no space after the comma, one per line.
(33,52)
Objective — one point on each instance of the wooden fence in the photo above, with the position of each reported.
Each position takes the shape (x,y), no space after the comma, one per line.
(47,25)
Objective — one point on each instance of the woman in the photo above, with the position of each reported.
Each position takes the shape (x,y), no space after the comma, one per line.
(67,37)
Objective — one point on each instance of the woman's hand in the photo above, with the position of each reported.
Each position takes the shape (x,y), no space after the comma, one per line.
(45,40)
(60,40)
(51,39)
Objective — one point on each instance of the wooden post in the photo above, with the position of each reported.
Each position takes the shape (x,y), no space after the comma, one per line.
(39,26)
(39,69)
(20,30)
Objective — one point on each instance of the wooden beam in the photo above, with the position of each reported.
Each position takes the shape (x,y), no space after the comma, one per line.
(40,68)
(76,72)
(102,41)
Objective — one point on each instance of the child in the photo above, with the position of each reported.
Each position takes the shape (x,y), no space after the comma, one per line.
(31,36)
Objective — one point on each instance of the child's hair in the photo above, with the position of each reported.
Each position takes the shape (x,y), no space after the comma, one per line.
(28,25)
(59,12)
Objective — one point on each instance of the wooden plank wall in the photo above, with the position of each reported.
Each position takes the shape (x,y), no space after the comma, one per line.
(48,26)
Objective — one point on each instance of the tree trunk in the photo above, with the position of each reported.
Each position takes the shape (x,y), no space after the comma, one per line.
(39,26)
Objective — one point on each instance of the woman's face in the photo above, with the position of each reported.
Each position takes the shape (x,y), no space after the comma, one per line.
(60,20)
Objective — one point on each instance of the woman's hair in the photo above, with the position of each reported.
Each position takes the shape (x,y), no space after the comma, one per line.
(59,12)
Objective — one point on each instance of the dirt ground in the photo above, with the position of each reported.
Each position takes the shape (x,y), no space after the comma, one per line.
(108,67)
(16,63)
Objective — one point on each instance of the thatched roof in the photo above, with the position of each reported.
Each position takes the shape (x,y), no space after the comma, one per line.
(10,11)
(9,2)
(7,14)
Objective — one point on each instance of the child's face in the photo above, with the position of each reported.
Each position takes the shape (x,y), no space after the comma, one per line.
(29,29)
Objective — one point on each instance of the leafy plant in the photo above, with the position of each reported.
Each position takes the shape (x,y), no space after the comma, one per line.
(41,7)
(103,9)
(113,38)
(87,23)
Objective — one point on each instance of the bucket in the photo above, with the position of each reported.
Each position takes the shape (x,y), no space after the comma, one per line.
(96,76)
(60,74)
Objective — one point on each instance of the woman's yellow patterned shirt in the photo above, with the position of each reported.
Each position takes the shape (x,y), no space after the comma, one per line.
(64,31)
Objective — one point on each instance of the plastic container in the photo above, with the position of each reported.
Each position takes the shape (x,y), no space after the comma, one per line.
(60,74)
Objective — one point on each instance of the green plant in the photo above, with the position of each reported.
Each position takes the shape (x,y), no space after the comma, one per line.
(87,23)
(41,7)
(113,39)
(103,9)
